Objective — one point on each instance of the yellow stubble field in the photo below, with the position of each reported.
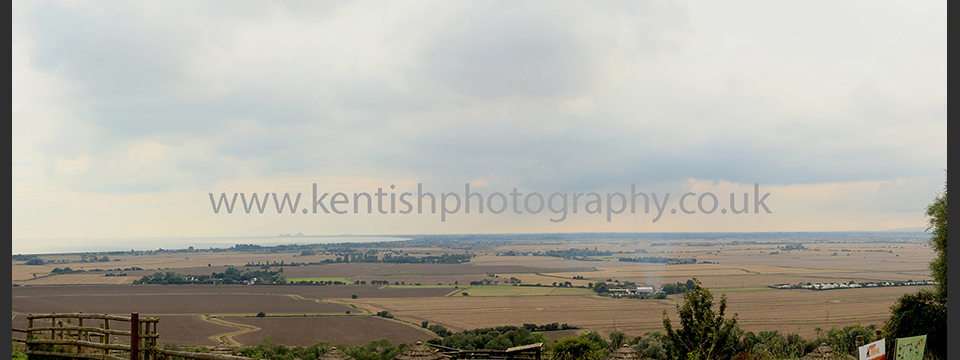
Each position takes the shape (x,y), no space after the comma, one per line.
(789,311)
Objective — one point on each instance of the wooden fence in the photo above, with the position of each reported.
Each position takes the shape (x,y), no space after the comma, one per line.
(56,335)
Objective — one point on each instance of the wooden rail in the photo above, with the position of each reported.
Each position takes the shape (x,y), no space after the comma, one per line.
(66,340)
(61,338)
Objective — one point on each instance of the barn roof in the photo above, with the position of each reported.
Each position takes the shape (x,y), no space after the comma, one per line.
(420,352)
(335,354)
(625,352)
(525,347)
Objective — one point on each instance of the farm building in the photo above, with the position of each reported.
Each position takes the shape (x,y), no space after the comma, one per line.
(640,290)
(420,352)
(625,352)
(335,354)
(644,290)
(618,292)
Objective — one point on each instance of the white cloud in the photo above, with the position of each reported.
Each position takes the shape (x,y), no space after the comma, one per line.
(146,151)
(68,166)
(581,106)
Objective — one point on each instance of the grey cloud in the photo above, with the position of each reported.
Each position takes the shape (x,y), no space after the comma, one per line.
(496,51)
(307,116)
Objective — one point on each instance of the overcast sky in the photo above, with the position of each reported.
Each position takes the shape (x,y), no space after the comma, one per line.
(126,115)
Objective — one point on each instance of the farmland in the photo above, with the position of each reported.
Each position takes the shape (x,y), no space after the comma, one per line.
(741,267)
(349,330)
(759,310)
(161,303)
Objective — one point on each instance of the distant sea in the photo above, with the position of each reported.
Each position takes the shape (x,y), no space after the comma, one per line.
(55,246)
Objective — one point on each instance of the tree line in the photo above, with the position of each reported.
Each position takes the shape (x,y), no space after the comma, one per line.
(230,275)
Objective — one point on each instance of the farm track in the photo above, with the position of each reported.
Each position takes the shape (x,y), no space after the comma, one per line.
(228,337)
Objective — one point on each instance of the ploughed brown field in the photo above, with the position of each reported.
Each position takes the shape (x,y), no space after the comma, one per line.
(306,291)
(176,304)
(348,330)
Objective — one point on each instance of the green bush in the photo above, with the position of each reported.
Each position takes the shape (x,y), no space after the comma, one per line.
(703,333)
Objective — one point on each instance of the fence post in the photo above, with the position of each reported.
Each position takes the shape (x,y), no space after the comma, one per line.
(29,346)
(134,335)
(80,333)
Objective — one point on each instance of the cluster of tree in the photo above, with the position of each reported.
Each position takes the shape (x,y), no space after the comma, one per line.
(679,287)
(317,282)
(382,349)
(29,259)
(548,327)
(438,329)
(267,264)
(231,275)
(646,259)
(603,288)
(599,287)
(666,244)
(432,259)
(590,345)
(659,296)
(575,253)
(501,338)
(93,258)
(35,260)
(65,270)
(792,247)
(371,256)
(385,314)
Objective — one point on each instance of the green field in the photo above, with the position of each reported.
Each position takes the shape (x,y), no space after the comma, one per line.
(427,286)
